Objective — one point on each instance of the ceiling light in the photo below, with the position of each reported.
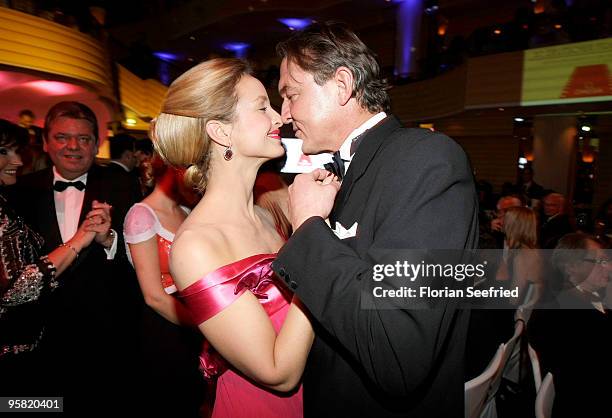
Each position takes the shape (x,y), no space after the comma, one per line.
(166,56)
(131,121)
(53,88)
(295,23)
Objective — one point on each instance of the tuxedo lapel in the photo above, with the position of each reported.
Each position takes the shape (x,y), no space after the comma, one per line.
(91,191)
(369,146)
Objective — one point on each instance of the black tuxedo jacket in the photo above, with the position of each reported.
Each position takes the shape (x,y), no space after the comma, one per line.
(406,189)
(131,179)
(94,310)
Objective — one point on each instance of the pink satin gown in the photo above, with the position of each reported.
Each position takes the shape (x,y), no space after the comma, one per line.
(238,397)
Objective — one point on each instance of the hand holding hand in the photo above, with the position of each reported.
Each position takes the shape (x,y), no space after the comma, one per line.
(83,236)
(312,194)
(99,218)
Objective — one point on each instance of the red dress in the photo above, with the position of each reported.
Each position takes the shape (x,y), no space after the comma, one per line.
(236,396)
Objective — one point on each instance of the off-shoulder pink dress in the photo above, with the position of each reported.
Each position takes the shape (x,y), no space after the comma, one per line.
(238,397)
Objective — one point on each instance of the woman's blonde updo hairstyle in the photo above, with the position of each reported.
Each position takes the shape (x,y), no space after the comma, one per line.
(205,92)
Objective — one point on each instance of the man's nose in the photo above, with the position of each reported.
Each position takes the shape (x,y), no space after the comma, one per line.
(286,112)
(73,143)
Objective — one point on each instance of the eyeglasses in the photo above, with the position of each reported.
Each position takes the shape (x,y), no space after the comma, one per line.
(81,138)
(601,261)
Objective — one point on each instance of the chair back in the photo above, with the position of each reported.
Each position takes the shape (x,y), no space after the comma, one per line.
(545,398)
(479,393)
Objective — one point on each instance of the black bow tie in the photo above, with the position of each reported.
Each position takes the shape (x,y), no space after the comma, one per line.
(60,186)
(336,166)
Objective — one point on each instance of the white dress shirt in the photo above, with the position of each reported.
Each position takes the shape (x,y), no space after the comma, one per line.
(345,148)
(68,206)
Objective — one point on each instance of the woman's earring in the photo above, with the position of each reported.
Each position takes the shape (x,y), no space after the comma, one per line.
(228,153)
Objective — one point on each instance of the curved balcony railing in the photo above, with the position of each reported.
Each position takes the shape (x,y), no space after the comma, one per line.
(37,44)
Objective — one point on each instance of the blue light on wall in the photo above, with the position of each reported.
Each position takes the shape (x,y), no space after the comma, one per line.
(163,72)
(238,48)
(409,13)
(295,23)
(166,56)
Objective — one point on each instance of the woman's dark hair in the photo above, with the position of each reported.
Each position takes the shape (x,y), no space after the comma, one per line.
(12,135)
(322,48)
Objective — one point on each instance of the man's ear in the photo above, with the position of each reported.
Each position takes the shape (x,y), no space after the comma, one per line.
(45,148)
(217,132)
(345,82)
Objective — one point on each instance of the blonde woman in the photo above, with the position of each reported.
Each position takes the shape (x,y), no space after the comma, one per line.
(217,121)
(523,263)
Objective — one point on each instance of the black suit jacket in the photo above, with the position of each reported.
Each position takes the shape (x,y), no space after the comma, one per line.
(406,189)
(94,310)
(553,229)
(131,179)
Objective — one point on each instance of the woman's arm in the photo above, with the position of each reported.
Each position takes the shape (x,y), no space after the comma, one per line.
(242,332)
(28,283)
(146,263)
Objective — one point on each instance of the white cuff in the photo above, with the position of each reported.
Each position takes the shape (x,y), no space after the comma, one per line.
(110,252)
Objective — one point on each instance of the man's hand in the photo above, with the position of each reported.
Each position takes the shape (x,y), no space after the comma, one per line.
(497,224)
(312,194)
(100,222)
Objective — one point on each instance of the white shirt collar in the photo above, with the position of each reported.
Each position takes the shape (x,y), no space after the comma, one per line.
(120,164)
(57,176)
(345,149)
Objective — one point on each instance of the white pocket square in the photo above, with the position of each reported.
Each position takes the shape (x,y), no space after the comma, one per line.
(343,233)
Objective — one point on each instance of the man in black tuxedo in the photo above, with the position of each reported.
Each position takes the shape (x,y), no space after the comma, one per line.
(402,189)
(556,221)
(92,313)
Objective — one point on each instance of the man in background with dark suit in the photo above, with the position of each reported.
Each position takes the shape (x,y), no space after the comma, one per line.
(556,222)
(401,189)
(124,163)
(91,315)
(123,152)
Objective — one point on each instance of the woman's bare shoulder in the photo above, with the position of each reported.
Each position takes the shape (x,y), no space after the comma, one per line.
(196,251)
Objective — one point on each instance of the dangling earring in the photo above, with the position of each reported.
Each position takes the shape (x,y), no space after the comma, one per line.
(228,153)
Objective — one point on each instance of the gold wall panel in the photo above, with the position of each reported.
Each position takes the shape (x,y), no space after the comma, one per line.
(144,97)
(35,43)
